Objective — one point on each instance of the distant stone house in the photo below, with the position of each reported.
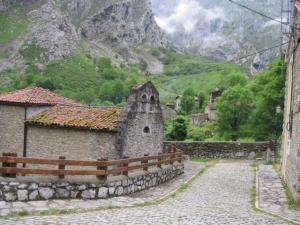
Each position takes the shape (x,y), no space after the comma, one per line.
(291,127)
(91,133)
(209,111)
(16,107)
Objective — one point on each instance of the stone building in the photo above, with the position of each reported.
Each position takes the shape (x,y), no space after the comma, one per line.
(64,128)
(210,109)
(198,119)
(168,112)
(291,127)
(16,107)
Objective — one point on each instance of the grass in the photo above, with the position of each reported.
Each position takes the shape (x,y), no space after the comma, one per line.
(182,71)
(292,204)
(13,22)
(253,190)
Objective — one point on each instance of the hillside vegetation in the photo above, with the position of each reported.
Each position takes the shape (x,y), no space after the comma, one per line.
(97,81)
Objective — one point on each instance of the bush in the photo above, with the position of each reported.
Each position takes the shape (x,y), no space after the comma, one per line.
(155,52)
(179,129)
(195,133)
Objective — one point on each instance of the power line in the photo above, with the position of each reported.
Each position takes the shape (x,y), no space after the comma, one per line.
(261,51)
(257,12)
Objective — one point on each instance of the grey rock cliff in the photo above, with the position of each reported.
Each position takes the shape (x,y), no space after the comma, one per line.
(58,26)
(129,23)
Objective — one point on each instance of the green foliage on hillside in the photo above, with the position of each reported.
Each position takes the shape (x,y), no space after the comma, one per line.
(248,109)
(91,81)
(13,22)
(186,71)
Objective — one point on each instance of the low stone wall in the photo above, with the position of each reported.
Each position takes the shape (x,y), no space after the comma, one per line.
(222,149)
(29,191)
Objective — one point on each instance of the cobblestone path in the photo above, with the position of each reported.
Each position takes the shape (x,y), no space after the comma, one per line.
(220,196)
(271,194)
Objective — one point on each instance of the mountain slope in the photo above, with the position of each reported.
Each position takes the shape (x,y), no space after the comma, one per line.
(110,28)
(220,29)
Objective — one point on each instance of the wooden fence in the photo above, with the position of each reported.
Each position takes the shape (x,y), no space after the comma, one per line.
(103,166)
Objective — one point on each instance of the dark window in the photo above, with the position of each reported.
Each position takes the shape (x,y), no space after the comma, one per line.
(152,99)
(144,97)
(146,130)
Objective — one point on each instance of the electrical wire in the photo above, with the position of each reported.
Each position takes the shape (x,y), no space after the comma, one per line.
(261,51)
(257,12)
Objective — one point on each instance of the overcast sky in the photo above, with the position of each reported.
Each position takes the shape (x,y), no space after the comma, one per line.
(183,15)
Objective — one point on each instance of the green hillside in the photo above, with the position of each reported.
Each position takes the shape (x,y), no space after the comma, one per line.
(186,71)
(97,81)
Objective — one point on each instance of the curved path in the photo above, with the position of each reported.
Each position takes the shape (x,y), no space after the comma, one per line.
(220,196)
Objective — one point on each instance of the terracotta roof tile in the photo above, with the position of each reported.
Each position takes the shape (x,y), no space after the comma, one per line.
(84,117)
(35,96)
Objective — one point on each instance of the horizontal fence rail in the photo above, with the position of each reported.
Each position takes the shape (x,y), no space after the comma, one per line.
(104,167)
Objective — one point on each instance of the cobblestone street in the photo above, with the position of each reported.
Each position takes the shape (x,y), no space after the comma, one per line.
(220,196)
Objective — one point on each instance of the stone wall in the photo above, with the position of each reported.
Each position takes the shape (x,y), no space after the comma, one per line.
(222,149)
(28,191)
(291,134)
(142,123)
(50,143)
(198,119)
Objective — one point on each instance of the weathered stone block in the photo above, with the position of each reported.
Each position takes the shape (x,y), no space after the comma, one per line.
(119,190)
(62,193)
(102,192)
(46,193)
(10,196)
(111,190)
(33,186)
(34,195)
(22,195)
(88,194)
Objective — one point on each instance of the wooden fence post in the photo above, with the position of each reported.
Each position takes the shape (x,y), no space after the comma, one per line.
(102,177)
(145,162)
(159,159)
(179,155)
(9,154)
(170,146)
(61,167)
(172,156)
(125,164)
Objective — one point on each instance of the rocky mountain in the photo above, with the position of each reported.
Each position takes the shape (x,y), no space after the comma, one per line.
(220,29)
(122,29)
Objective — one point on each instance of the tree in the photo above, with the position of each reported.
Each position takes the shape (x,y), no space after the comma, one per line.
(179,129)
(201,99)
(188,100)
(233,110)
(235,79)
(269,89)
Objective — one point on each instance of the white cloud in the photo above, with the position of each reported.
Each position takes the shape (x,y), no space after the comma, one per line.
(186,15)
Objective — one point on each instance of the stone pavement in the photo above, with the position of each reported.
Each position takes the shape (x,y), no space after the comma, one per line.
(219,196)
(271,194)
(191,168)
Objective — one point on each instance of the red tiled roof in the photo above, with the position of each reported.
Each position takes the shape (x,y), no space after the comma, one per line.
(35,96)
(84,117)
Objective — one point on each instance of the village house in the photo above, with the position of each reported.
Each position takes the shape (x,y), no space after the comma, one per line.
(291,126)
(16,107)
(209,111)
(65,128)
